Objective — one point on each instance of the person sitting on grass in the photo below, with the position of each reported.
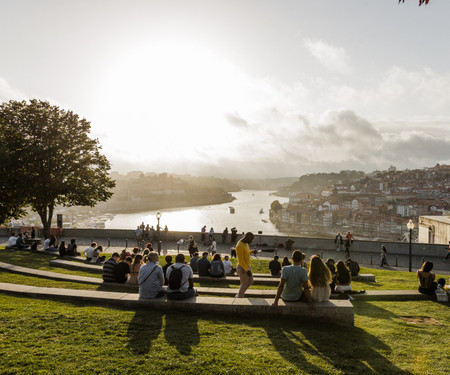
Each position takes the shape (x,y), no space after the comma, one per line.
(193,262)
(168,260)
(20,244)
(275,266)
(134,269)
(285,262)
(151,278)
(109,269)
(62,249)
(12,240)
(124,254)
(181,280)
(426,279)
(72,248)
(89,252)
(96,258)
(319,279)
(343,278)
(294,282)
(204,265)
(123,270)
(330,264)
(52,245)
(217,268)
(228,266)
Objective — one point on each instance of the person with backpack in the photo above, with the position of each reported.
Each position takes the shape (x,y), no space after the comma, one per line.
(181,280)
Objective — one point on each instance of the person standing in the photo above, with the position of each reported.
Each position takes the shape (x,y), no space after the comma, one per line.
(289,242)
(233,235)
(383,256)
(203,234)
(213,246)
(243,269)
(348,242)
(211,234)
(338,241)
(224,235)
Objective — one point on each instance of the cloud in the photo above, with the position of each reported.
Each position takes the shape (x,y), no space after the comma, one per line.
(332,58)
(236,120)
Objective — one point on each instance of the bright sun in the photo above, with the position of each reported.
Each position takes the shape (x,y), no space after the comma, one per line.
(170,89)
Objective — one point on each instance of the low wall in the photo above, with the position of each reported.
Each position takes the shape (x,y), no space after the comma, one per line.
(303,243)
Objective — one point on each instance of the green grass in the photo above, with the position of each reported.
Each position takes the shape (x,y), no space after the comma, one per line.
(47,336)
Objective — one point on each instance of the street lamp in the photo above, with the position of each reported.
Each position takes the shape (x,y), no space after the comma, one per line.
(410,226)
(158,217)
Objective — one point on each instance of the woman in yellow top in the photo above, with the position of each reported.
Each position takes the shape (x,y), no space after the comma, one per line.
(243,268)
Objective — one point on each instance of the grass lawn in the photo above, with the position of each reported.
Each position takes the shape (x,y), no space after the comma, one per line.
(49,336)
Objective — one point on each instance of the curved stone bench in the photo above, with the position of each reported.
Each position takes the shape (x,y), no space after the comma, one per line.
(338,312)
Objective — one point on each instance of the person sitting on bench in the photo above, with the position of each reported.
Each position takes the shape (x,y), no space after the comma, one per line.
(217,268)
(181,280)
(204,265)
(294,282)
(151,278)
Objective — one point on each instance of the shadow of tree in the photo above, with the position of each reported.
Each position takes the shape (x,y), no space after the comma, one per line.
(181,331)
(144,328)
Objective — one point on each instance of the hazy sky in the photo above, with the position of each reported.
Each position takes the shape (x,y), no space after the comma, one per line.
(235,88)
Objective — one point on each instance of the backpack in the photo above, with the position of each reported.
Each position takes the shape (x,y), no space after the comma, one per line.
(352,266)
(175,278)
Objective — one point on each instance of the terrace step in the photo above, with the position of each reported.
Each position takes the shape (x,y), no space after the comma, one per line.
(339,312)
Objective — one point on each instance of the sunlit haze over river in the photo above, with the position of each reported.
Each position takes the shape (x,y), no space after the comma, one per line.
(246,218)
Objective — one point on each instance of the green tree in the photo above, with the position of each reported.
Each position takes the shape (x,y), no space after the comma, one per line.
(276,206)
(50,160)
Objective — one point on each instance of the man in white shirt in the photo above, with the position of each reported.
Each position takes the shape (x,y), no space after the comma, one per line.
(151,278)
(46,244)
(213,247)
(12,240)
(228,266)
(89,252)
(185,289)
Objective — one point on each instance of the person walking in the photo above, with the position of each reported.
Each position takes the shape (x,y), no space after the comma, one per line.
(243,269)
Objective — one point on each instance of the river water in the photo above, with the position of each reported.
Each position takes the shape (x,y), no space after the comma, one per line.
(246,218)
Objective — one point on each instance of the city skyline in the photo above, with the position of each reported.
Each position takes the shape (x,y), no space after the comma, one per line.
(240,89)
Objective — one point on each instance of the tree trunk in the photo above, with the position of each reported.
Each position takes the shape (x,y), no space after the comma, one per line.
(46,215)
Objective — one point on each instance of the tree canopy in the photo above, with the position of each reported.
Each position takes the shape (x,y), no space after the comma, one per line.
(48,159)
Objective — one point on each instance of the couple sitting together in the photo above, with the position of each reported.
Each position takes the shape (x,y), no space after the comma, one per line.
(179,275)
(297,284)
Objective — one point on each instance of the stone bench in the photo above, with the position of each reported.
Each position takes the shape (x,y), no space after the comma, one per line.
(380,295)
(338,312)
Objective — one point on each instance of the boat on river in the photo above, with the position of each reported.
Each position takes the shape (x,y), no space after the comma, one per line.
(231,210)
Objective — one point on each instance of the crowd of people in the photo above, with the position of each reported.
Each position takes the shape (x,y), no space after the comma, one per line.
(298,282)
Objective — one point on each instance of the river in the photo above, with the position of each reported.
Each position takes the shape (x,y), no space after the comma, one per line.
(246,218)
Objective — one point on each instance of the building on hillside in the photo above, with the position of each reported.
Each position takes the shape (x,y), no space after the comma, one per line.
(434,229)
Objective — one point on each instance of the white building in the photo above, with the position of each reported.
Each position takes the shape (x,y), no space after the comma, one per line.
(434,229)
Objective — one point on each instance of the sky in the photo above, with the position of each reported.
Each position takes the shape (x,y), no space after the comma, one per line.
(240,88)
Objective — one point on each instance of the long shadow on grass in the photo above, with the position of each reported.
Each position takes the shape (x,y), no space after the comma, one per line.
(181,331)
(349,349)
(144,328)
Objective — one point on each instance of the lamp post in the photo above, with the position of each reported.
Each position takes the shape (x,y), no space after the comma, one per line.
(410,226)
(158,217)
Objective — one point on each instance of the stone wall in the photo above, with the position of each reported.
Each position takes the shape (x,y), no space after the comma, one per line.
(303,243)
